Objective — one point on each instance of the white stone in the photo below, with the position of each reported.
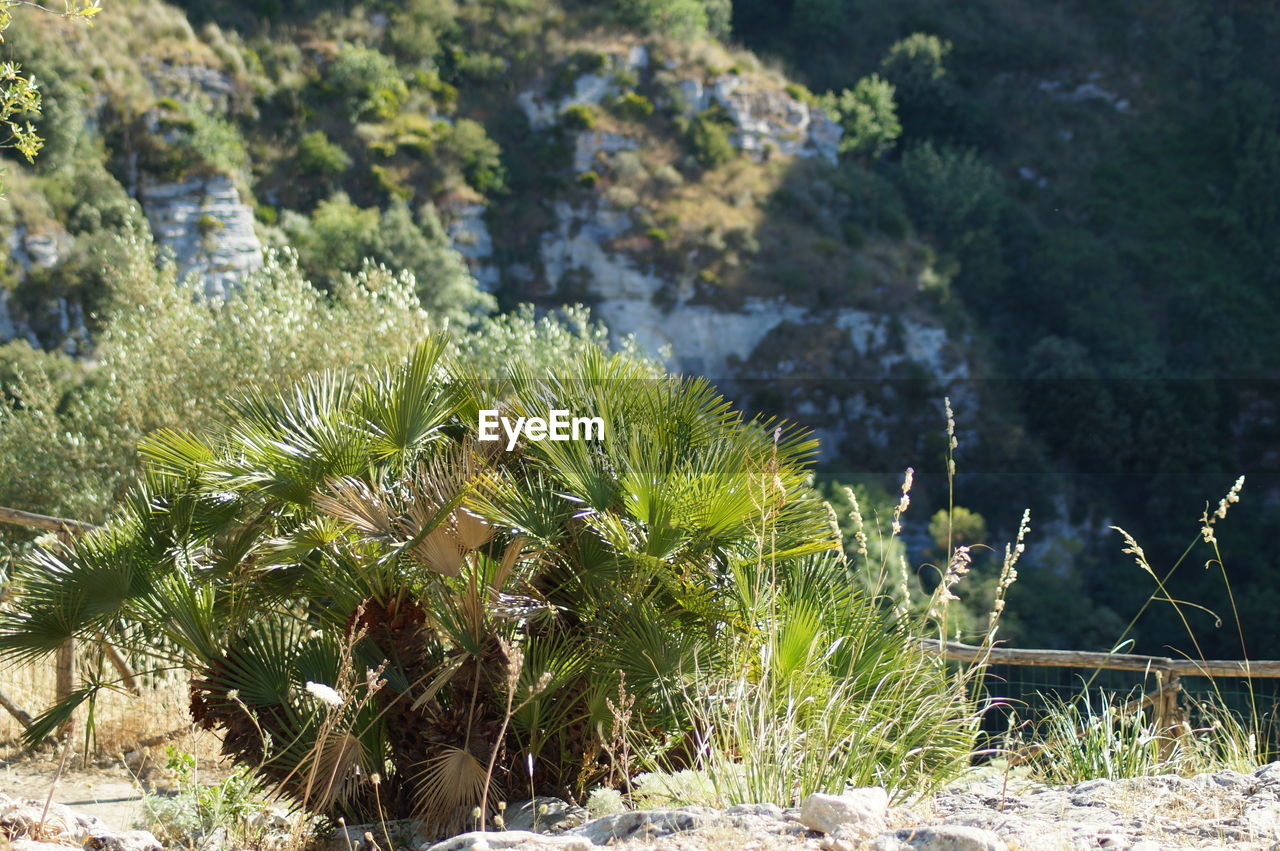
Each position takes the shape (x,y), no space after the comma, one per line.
(637,58)
(767,118)
(126,840)
(498,839)
(20,816)
(8,328)
(541,114)
(465,225)
(947,837)
(1225,778)
(694,95)
(38,250)
(1269,773)
(855,811)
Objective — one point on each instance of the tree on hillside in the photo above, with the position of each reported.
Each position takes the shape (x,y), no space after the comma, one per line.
(681,18)
(869,116)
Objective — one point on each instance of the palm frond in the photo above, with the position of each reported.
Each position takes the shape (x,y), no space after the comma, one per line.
(332,770)
(352,501)
(56,716)
(407,406)
(448,786)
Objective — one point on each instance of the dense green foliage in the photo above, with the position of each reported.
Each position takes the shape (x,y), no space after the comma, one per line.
(1083,193)
(69,433)
(868,115)
(1089,174)
(681,18)
(361,587)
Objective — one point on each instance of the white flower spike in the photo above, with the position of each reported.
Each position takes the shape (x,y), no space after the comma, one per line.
(324,694)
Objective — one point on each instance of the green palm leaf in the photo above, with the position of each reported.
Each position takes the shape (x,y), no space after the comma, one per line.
(407,406)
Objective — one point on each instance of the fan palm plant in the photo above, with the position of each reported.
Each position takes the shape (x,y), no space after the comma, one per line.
(381,614)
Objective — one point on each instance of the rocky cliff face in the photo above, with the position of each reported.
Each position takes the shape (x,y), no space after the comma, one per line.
(600,246)
(691,252)
(208,228)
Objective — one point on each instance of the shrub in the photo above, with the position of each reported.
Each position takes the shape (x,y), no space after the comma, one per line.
(419,26)
(340,237)
(874,201)
(668,177)
(1098,736)
(209,225)
(443,282)
(679,18)
(580,116)
(588,179)
(476,155)
(201,142)
(444,94)
(879,715)
(869,117)
(709,141)
(915,64)
(336,238)
(632,107)
(320,157)
(582,62)
(368,81)
(266,214)
(390,183)
(166,358)
(800,93)
(952,192)
(409,592)
(958,527)
(198,811)
(625,78)
(480,66)
(89,199)
(929,102)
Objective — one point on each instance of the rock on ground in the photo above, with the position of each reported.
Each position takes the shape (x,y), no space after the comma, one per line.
(858,810)
(949,837)
(1220,810)
(544,815)
(500,839)
(28,827)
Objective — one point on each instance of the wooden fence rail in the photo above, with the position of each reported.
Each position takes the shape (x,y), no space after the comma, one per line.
(1170,718)
(1112,661)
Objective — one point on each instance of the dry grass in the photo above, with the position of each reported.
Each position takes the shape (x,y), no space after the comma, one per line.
(123,724)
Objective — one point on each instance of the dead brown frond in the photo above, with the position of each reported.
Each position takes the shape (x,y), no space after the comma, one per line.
(449,785)
(352,501)
(438,550)
(472,529)
(335,769)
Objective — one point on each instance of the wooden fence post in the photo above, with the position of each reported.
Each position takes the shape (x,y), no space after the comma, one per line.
(66,658)
(66,678)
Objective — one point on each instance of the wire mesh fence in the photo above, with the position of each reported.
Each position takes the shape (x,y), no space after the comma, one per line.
(1025,693)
